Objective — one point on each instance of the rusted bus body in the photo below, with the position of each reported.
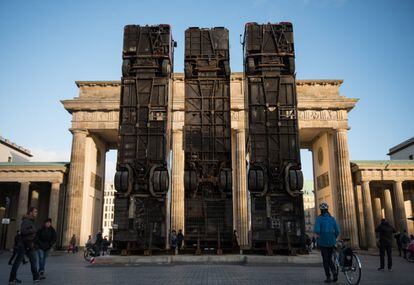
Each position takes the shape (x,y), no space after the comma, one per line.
(207,139)
(142,178)
(274,176)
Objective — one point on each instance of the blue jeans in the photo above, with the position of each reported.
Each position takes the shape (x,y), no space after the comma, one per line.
(42,255)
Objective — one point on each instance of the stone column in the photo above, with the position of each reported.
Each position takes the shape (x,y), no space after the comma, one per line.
(346,209)
(377,211)
(75,186)
(23,203)
(401,219)
(177,197)
(54,203)
(388,209)
(242,209)
(235,182)
(359,207)
(368,216)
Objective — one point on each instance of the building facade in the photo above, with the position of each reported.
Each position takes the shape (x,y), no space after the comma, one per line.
(383,189)
(108,210)
(309,206)
(27,184)
(11,152)
(403,151)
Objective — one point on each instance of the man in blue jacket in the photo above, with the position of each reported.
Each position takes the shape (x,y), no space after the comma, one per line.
(327,230)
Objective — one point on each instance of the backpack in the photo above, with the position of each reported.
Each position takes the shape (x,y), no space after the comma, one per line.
(345,257)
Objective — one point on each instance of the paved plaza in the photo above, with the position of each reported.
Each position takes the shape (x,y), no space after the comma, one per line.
(72,269)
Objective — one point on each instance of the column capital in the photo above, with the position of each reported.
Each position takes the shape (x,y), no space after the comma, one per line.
(398,180)
(341,130)
(55,184)
(177,130)
(238,130)
(74,131)
(24,183)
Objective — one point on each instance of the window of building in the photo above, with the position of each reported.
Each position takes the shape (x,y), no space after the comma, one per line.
(9,159)
(411,157)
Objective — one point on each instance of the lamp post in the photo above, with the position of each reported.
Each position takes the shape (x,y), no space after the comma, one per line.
(5,223)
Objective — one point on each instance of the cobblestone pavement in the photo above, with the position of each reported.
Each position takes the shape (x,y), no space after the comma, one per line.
(71,269)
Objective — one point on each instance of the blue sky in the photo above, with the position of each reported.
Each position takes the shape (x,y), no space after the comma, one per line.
(46,45)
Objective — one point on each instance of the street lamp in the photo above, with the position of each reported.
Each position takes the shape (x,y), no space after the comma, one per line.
(5,223)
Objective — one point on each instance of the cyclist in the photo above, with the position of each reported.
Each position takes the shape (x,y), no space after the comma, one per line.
(327,231)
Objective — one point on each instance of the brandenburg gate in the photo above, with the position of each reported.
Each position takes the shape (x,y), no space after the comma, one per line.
(323,124)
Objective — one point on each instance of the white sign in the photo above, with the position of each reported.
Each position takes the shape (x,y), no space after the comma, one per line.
(5,221)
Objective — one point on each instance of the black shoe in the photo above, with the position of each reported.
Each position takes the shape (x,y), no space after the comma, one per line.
(15,281)
(328,280)
(381,269)
(335,277)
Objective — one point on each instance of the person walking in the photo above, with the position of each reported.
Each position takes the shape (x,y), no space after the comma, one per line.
(98,242)
(308,242)
(173,241)
(45,239)
(327,231)
(72,245)
(17,238)
(405,240)
(235,241)
(89,242)
(397,238)
(26,247)
(105,245)
(180,239)
(385,233)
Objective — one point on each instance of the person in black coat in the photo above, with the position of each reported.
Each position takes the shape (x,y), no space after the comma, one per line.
(397,237)
(235,241)
(385,232)
(105,245)
(17,239)
(45,239)
(26,246)
(180,239)
(99,242)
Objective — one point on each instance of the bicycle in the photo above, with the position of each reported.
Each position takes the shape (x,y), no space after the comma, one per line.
(347,261)
(91,251)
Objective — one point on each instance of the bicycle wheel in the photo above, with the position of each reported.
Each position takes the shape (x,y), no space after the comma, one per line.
(87,255)
(353,272)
